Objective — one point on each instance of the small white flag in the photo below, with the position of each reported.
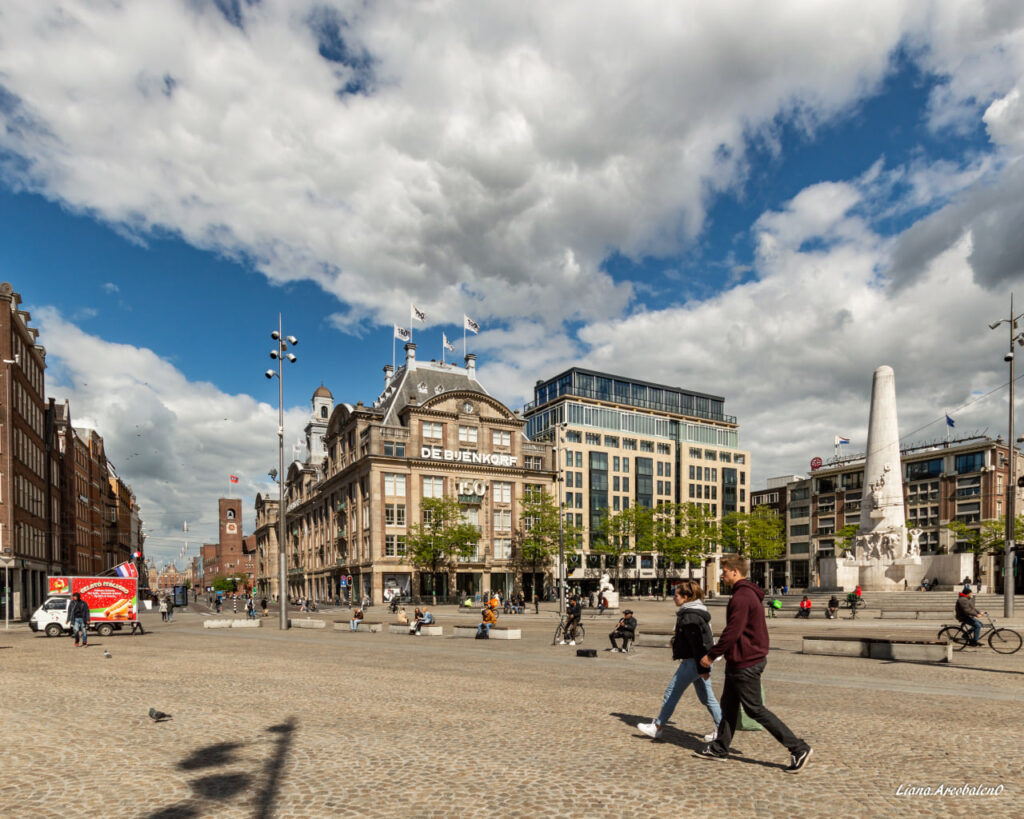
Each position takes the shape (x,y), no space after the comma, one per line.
(447,344)
(469,324)
(415,314)
(402,334)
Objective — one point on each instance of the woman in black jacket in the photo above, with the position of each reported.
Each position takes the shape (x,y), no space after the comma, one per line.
(691,641)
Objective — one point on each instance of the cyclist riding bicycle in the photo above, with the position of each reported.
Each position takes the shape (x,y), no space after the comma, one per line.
(967,614)
(573,613)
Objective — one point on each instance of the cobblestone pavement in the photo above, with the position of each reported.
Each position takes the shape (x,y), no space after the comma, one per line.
(313,723)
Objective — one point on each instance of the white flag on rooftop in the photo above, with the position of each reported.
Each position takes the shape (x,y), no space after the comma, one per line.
(469,324)
(447,344)
(415,314)
(402,334)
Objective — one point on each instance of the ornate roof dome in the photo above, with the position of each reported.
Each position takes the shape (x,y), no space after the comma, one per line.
(323,392)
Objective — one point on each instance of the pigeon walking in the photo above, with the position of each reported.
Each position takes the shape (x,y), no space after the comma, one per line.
(158,716)
(107,654)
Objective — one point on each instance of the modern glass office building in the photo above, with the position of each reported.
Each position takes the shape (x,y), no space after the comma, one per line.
(628,442)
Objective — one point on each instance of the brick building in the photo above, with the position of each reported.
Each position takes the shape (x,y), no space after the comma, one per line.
(233,555)
(30,511)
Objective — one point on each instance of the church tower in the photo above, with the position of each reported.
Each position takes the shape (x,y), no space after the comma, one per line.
(316,429)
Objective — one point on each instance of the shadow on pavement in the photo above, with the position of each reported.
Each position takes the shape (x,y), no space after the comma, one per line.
(227,785)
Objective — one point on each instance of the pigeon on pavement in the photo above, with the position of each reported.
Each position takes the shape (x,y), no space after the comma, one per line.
(158,716)
(107,654)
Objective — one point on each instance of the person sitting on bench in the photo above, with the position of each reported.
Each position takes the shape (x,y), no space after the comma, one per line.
(626,629)
(805,608)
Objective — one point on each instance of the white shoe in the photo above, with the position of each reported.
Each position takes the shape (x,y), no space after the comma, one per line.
(572,642)
(562,643)
(711,737)
(652,729)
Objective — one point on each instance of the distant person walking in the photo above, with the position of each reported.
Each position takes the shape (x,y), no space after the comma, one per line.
(170,608)
(744,644)
(263,605)
(163,608)
(78,616)
(692,639)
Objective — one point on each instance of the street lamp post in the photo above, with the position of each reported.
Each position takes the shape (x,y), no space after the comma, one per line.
(561,522)
(280,354)
(1011,489)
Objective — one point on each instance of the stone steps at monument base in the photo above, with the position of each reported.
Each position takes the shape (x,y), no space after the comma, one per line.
(889,601)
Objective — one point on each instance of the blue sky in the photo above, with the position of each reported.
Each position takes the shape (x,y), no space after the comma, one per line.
(760,202)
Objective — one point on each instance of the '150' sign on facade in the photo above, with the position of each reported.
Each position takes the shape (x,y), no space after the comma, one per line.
(434,453)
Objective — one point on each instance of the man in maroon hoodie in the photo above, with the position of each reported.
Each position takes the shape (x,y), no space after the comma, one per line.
(744,644)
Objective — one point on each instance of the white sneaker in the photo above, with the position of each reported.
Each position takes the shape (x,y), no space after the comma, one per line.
(652,729)
(562,643)
(711,737)
(572,642)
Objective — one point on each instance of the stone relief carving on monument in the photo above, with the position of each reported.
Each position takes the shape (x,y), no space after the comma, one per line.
(914,547)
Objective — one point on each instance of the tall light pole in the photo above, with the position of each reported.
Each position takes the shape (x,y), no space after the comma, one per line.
(1011,490)
(280,354)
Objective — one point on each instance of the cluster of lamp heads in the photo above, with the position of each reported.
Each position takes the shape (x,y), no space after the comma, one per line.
(282,345)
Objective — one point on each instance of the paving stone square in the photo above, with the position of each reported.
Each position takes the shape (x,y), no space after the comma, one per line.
(313,723)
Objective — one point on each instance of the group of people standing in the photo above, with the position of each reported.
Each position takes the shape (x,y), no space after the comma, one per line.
(744,645)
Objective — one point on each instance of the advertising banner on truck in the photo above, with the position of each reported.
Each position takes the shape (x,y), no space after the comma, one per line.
(59,585)
(108,598)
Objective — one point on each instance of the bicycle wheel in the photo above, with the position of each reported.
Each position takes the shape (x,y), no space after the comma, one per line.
(954,635)
(559,635)
(1004,641)
(580,634)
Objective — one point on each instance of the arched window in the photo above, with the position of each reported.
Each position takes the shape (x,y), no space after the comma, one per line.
(323,412)
(231,514)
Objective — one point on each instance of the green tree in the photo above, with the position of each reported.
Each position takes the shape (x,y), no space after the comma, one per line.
(701,531)
(536,539)
(844,537)
(223,583)
(757,535)
(442,537)
(987,538)
(620,533)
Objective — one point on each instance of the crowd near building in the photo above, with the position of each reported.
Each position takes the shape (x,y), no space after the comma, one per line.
(63,508)
(596,443)
(963,481)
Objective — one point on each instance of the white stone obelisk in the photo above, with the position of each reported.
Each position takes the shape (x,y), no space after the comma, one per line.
(881,540)
(882,505)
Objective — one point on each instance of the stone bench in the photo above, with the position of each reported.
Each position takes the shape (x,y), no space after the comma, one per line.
(654,639)
(364,625)
(217,623)
(913,614)
(497,632)
(877,648)
(433,630)
(307,623)
(245,623)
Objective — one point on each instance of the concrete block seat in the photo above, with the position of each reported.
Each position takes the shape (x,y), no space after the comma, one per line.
(364,625)
(245,623)
(433,630)
(877,648)
(217,623)
(497,632)
(308,623)
(654,639)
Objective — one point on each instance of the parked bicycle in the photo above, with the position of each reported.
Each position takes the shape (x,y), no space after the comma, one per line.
(560,632)
(1000,640)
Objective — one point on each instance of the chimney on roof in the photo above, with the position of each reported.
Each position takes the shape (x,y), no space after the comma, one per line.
(389,373)
(410,356)
(471,365)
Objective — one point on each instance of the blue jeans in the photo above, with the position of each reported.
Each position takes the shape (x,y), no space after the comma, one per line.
(686,673)
(484,628)
(974,624)
(78,629)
